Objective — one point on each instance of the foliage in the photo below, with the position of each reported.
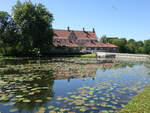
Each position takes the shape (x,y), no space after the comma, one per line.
(139,47)
(129,46)
(103,39)
(120,43)
(9,39)
(28,29)
(34,22)
(82,47)
(140,103)
(147,46)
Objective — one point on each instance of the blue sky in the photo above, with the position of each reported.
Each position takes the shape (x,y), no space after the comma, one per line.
(114,18)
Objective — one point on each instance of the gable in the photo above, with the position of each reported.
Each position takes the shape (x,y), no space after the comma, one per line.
(72,36)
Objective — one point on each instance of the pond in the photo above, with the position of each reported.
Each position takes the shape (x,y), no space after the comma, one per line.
(69,85)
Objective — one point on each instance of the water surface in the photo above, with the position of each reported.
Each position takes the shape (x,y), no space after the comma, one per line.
(69,85)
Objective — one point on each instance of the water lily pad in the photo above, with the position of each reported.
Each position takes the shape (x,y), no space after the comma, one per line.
(13,110)
(26,100)
(4,98)
(104,104)
(9,104)
(39,101)
(62,109)
(104,111)
(56,108)
(60,98)
(48,98)
(78,102)
(51,107)
(42,110)
(52,112)
(19,96)
(83,109)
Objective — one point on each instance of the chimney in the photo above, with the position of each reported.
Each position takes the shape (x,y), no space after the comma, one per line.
(68,28)
(93,30)
(83,29)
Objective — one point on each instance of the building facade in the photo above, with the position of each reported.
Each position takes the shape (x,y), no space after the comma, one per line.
(84,41)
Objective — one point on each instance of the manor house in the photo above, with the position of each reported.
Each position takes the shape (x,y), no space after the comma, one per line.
(87,40)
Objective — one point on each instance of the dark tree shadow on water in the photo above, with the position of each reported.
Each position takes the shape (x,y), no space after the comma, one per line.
(37,92)
(43,92)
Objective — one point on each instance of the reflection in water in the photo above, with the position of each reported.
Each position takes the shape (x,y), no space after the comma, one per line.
(41,93)
(26,86)
(28,95)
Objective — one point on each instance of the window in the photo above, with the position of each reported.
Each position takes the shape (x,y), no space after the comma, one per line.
(88,48)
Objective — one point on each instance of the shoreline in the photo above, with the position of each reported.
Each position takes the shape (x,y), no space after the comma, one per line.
(140,103)
(93,55)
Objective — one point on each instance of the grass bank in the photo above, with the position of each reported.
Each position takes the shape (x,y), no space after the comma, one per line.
(88,55)
(74,55)
(140,103)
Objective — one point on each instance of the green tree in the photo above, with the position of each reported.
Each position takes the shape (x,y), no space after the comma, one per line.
(147,46)
(140,50)
(131,46)
(103,39)
(139,47)
(139,43)
(34,22)
(121,43)
(8,34)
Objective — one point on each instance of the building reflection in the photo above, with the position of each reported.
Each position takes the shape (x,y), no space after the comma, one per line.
(71,71)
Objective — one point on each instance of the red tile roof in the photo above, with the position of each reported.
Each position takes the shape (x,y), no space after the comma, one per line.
(111,45)
(64,34)
(69,44)
(81,35)
(61,34)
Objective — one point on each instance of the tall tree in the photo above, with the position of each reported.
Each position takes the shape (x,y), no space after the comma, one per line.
(131,46)
(34,22)
(120,42)
(103,39)
(139,47)
(8,34)
(147,46)
(139,43)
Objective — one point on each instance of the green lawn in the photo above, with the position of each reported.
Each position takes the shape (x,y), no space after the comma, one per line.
(140,103)
(88,55)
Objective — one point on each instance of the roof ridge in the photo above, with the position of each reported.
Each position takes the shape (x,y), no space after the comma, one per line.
(74,30)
